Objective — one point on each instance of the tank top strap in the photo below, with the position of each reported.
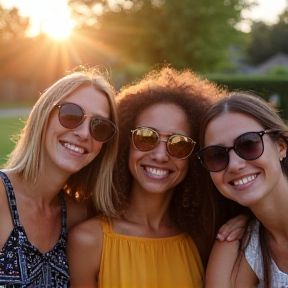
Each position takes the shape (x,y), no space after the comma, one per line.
(64,213)
(106,224)
(11,198)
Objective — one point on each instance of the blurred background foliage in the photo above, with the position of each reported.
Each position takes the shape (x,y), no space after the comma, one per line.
(184,33)
(132,37)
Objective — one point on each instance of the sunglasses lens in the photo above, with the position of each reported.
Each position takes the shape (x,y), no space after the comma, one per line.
(102,130)
(214,158)
(144,139)
(249,146)
(70,115)
(180,146)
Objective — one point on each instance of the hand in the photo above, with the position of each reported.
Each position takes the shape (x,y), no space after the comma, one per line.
(233,229)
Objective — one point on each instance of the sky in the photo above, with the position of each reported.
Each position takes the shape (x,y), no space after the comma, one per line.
(53,14)
(267,10)
(43,14)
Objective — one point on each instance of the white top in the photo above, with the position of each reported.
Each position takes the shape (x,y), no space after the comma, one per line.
(253,256)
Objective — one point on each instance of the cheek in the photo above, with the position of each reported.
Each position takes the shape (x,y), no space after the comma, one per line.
(53,126)
(132,159)
(217,180)
(97,146)
(183,168)
(50,135)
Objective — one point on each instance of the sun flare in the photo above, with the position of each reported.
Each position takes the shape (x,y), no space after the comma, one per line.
(57,27)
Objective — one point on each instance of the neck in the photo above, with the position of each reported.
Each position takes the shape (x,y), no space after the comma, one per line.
(44,190)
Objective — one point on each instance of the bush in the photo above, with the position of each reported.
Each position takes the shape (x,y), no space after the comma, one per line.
(270,87)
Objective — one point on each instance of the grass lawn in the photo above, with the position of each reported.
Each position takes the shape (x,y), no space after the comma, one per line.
(8,128)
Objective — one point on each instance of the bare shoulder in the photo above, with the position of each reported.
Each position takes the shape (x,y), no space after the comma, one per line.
(85,239)
(76,211)
(228,267)
(245,276)
(224,252)
(220,265)
(88,232)
(228,246)
(84,248)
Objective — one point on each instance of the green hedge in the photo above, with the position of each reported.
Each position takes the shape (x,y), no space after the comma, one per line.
(263,85)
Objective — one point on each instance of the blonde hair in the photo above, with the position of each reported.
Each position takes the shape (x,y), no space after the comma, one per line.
(93,180)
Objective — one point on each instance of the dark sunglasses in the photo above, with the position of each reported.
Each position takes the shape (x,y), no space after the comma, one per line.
(146,139)
(72,116)
(248,146)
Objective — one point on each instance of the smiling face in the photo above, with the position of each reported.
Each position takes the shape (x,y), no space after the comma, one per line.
(246,182)
(69,150)
(155,171)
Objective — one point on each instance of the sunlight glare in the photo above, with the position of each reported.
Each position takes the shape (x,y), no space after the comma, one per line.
(51,17)
(57,27)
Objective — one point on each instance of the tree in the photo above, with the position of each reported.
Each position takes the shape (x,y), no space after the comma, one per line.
(267,41)
(12,25)
(186,33)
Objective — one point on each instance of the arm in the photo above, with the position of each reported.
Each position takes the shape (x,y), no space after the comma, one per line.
(223,272)
(220,264)
(84,248)
(234,228)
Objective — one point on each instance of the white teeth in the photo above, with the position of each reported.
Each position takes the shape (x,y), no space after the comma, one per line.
(74,148)
(244,180)
(157,172)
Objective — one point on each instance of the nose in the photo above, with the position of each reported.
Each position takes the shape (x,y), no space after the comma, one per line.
(235,162)
(83,131)
(159,153)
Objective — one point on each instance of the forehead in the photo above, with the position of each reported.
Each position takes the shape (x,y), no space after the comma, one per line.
(164,117)
(92,100)
(224,128)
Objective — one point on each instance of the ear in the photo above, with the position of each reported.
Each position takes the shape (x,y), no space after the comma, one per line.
(282,148)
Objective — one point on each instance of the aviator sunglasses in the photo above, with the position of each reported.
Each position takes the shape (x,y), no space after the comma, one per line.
(248,146)
(72,116)
(178,146)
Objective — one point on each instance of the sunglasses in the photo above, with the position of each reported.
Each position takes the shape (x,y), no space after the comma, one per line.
(72,116)
(248,146)
(178,146)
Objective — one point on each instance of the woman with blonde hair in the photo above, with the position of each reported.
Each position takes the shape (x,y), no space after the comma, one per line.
(68,144)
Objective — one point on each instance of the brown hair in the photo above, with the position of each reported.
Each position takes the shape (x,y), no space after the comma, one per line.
(194,96)
(257,108)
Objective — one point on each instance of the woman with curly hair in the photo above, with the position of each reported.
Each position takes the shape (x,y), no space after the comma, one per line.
(162,214)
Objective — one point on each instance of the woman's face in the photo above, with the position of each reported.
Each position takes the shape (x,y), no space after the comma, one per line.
(70,150)
(246,182)
(156,171)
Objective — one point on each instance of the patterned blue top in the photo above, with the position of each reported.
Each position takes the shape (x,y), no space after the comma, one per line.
(22,265)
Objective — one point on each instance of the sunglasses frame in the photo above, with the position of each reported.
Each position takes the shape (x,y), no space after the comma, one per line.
(162,140)
(84,116)
(228,149)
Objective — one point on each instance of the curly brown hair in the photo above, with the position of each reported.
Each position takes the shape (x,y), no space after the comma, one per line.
(194,96)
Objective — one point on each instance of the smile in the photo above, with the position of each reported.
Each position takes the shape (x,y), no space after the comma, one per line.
(74,148)
(244,180)
(157,172)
